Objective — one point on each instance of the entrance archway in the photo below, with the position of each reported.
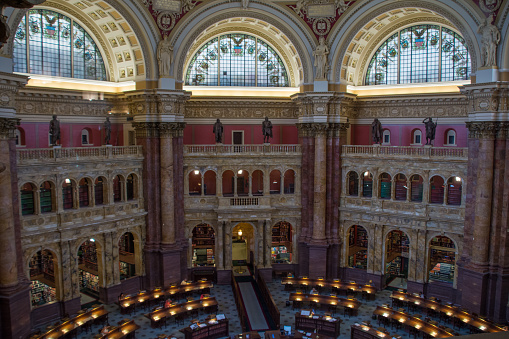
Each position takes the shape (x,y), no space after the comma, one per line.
(442,259)
(281,251)
(243,245)
(357,247)
(43,269)
(396,259)
(127,253)
(89,271)
(203,245)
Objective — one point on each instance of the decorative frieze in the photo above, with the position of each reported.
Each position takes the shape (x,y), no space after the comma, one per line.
(321,129)
(488,130)
(252,109)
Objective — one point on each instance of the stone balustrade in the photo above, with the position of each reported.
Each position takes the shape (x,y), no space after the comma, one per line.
(220,149)
(447,153)
(56,154)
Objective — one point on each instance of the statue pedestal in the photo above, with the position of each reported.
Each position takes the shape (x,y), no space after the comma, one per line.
(56,146)
(486,74)
(321,86)
(166,83)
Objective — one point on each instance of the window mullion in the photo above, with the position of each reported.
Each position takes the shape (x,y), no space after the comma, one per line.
(71,40)
(27,69)
(440,55)
(256,62)
(399,57)
(219,61)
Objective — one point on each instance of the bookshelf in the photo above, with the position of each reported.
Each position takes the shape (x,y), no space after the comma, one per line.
(385,189)
(87,256)
(83,195)
(203,245)
(318,324)
(209,331)
(400,187)
(367,186)
(89,282)
(42,267)
(454,192)
(436,190)
(127,270)
(353,184)
(41,293)
(417,191)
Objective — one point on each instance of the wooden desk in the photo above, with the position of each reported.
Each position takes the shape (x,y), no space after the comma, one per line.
(411,322)
(345,286)
(159,294)
(126,330)
(366,332)
(476,323)
(327,300)
(273,334)
(248,335)
(158,316)
(210,331)
(327,326)
(70,327)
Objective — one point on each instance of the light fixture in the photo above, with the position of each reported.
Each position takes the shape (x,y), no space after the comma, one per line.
(240,233)
(274,182)
(458,179)
(239,172)
(92,239)
(67,181)
(366,173)
(196,172)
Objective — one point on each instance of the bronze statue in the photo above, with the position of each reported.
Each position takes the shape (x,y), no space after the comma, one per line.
(431,128)
(54,130)
(107,131)
(266,130)
(376,131)
(218,131)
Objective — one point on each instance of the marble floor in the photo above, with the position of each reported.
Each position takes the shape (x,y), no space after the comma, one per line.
(224,296)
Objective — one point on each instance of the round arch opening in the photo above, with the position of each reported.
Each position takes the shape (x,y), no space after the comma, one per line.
(442,259)
(204,244)
(397,251)
(89,271)
(282,249)
(43,288)
(358,247)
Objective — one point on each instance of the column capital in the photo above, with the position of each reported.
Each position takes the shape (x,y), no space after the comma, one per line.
(157,102)
(321,129)
(171,129)
(485,100)
(8,127)
(488,130)
(9,87)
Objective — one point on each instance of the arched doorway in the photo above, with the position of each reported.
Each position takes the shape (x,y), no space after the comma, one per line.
(357,247)
(442,259)
(281,251)
(204,244)
(127,259)
(243,245)
(396,259)
(88,267)
(42,274)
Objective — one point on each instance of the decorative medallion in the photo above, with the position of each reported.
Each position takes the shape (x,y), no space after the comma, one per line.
(166,21)
(167,13)
(489,6)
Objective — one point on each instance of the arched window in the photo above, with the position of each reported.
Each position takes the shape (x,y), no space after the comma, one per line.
(422,53)
(275,182)
(450,138)
(99,191)
(195,182)
(353,184)
(367,184)
(68,194)
(257,183)
(228,178)
(417,137)
(436,190)
(50,43)
(83,193)
(454,188)
(236,59)
(385,186)
(400,187)
(46,197)
(131,187)
(20,136)
(117,188)
(397,246)
(209,183)
(386,137)
(27,199)
(416,187)
(242,182)
(85,137)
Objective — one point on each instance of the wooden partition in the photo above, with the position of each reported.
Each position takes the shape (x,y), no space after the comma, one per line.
(267,297)
(240,305)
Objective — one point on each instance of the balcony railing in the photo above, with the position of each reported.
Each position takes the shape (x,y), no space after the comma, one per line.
(78,153)
(246,149)
(406,151)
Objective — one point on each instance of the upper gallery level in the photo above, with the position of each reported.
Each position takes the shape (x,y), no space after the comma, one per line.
(65,190)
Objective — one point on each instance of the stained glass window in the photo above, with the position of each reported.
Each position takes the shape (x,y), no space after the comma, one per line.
(236,60)
(50,43)
(421,53)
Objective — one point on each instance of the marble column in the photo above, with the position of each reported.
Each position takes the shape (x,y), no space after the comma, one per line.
(167,189)
(261,241)
(268,243)
(219,246)
(319,196)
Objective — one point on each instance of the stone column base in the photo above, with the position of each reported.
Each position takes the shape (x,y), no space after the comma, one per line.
(415,287)
(317,260)
(152,269)
(474,288)
(377,280)
(170,267)
(15,314)
(224,277)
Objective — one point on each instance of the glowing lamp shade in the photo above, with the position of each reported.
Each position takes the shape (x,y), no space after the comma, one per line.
(196,172)
(240,233)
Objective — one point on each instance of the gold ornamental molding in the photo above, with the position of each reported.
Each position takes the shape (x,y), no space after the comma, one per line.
(171,129)
(322,129)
